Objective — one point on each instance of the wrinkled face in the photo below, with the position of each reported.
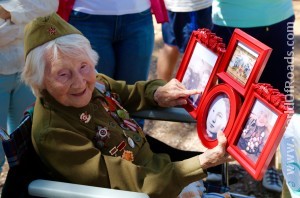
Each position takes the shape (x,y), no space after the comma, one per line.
(217,117)
(70,81)
(262,118)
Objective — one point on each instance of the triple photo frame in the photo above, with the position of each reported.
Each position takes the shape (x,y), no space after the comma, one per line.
(231,98)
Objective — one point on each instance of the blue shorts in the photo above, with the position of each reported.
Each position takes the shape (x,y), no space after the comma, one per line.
(178,30)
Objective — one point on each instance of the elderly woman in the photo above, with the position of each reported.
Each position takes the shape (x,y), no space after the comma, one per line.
(81,129)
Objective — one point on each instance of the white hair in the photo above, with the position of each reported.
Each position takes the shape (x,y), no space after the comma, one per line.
(71,45)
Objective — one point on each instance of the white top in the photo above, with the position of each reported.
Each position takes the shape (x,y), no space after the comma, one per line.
(111,7)
(11,31)
(187,5)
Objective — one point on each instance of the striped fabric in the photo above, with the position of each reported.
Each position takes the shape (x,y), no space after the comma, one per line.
(18,142)
(214,188)
(25,165)
(3,134)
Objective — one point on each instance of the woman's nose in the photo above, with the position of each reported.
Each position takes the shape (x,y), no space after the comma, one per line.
(78,81)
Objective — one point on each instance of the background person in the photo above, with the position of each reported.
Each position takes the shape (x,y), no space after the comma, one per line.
(184,18)
(218,115)
(15,96)
(258,19)
(121,32)
(256,133)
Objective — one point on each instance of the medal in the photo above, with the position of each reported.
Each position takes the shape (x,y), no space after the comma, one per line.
(130,142)
(137,137)
(130,124)
(113,151)
(85,117)
(123,126)
(104,104)
(112,124)
(122,114)
(101,137)
(116,117)
(121,146)
(100,144)
(128,155)
(102,133)
(111,105)
(100,86)
(117,103)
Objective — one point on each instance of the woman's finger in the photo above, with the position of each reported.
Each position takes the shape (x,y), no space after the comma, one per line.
(221,138)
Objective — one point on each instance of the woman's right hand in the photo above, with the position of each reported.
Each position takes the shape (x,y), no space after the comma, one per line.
(4,14)
(217,155)
(173,94)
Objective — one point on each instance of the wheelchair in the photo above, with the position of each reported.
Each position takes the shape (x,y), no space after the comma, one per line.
(27,174)
(28,178)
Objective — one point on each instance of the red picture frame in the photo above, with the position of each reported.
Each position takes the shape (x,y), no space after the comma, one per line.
(218,111)
(244,61)
(199,65)
(261,123)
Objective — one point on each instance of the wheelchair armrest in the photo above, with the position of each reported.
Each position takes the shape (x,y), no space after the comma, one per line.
(47,188)
(174,114)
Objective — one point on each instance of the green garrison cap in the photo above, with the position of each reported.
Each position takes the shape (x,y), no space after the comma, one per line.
(44,29)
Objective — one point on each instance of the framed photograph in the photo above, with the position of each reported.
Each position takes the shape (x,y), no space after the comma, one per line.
(244,61)
(261,123)
(218,111)
(199,65)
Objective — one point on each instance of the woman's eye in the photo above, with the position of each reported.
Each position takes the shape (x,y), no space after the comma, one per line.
(63,77)
(84,68)
(220,115)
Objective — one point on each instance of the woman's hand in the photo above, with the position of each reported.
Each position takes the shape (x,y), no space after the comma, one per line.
(173,94)
(4,14)
(217,155)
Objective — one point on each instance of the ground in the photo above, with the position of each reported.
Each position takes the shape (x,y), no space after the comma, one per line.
(184,136)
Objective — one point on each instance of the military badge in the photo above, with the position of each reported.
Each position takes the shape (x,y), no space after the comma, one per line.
(85,117)
(128,155)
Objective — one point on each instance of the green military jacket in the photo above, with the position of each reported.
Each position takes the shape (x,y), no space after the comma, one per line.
(100,145)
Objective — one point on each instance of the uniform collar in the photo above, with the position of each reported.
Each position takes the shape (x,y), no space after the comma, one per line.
(84,114)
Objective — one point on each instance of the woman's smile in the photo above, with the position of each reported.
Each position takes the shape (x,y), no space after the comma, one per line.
(80,93)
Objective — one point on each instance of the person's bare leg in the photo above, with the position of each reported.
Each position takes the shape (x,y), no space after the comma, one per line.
(167,60)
